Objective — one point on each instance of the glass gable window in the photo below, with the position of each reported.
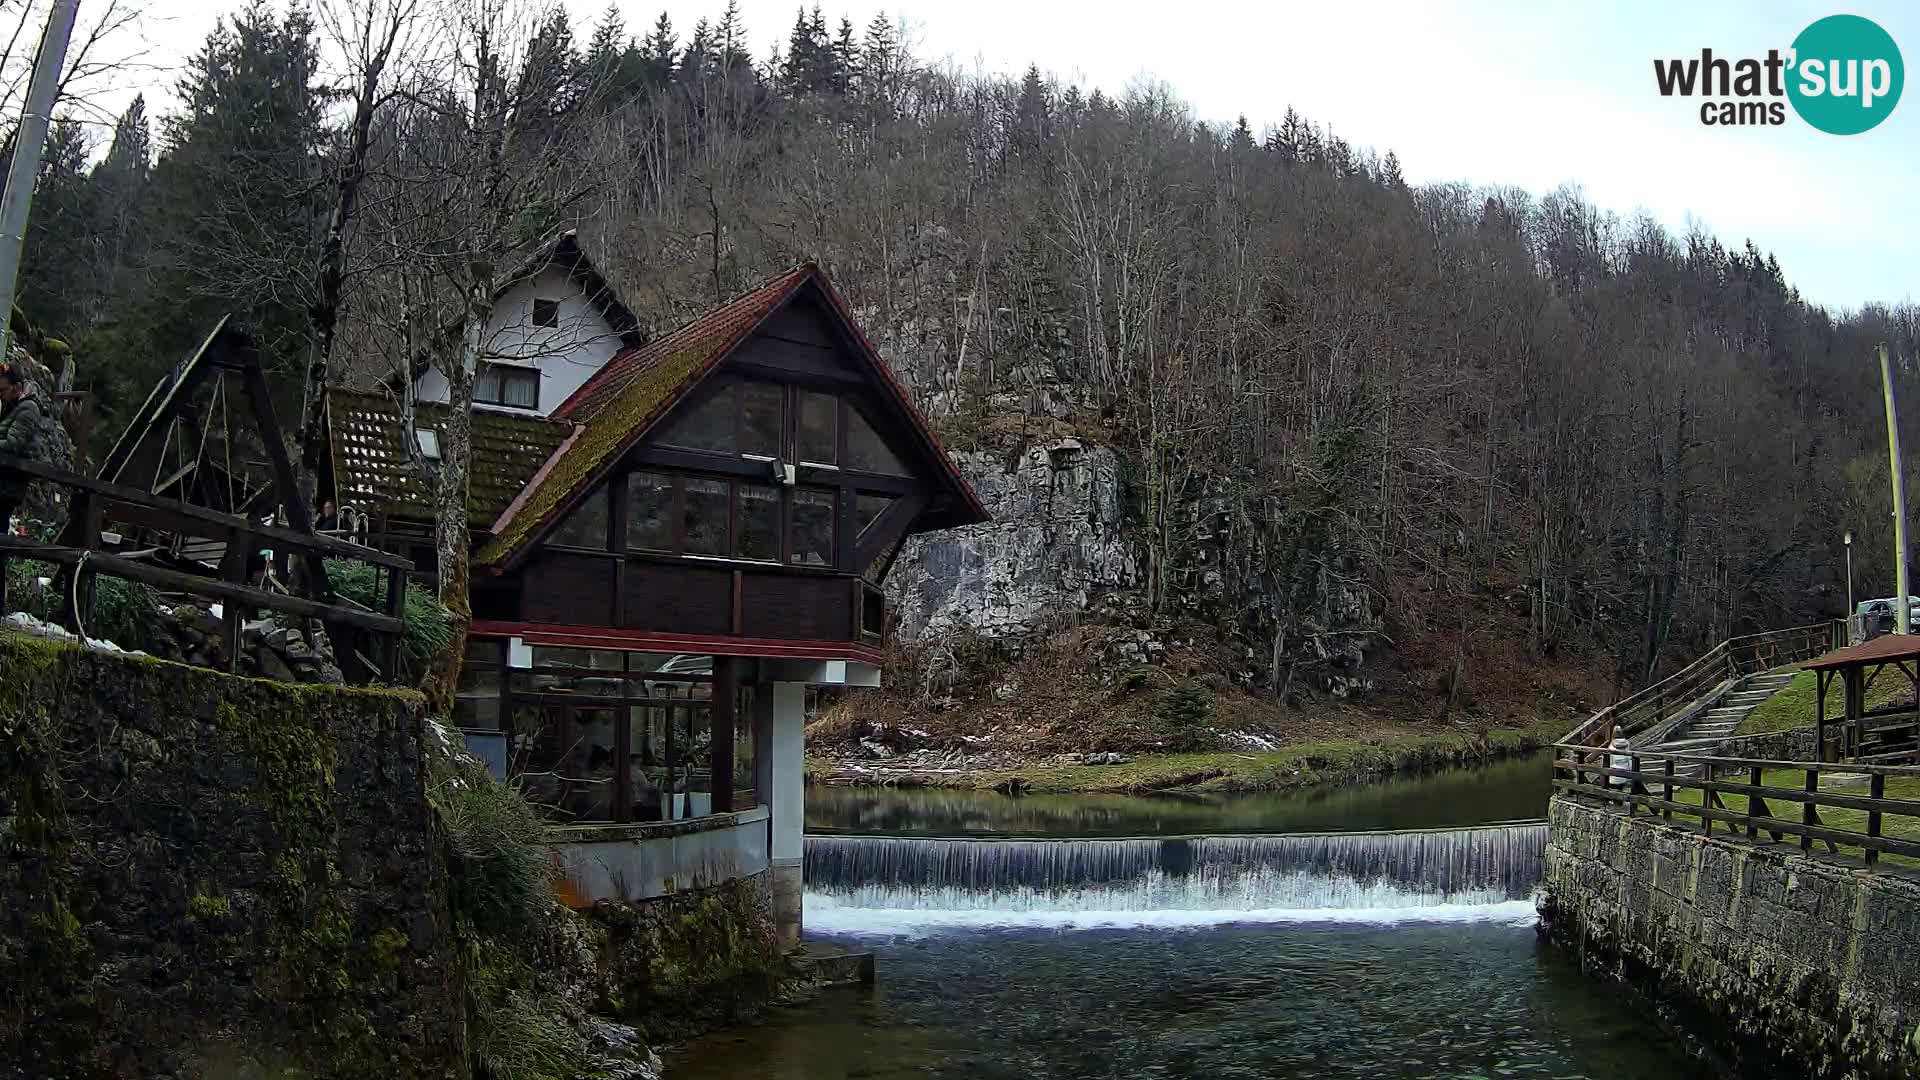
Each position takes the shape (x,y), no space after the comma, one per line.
(761,415)
(819,428)
(867,509)
(586,526)
(706,517)
(866,451)
(708,427)
(813,514)
(649,511)
(759,522)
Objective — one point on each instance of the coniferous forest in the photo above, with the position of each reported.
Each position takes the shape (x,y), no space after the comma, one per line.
(1521,425)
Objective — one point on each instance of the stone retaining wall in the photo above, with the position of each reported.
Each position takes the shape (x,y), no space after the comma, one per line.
(1805,966)
(209,876)
(1796,744)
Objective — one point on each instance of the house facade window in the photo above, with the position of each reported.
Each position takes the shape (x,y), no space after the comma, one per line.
(819,428)
(649,511)
(507,384)
(586,525)
(546,312)
(815,511)
(603,735)
(797,477)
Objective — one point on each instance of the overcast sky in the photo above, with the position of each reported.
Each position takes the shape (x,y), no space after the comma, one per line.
(1485,91)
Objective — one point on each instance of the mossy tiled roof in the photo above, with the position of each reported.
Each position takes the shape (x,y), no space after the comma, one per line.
(373,468)
(621,401)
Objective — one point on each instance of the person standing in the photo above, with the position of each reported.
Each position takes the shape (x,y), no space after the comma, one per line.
(19,431)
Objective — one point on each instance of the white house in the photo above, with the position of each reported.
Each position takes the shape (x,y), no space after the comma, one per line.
(552,328)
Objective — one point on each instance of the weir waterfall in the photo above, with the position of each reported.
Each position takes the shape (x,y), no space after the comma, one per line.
(883,883)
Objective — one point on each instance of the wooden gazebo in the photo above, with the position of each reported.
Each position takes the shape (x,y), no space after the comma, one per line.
(1886,735)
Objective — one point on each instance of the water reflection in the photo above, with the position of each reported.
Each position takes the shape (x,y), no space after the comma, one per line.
(1504,791)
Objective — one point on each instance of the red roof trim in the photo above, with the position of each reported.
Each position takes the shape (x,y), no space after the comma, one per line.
(605,637)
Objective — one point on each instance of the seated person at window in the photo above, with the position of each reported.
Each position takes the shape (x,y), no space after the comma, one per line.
(641,773)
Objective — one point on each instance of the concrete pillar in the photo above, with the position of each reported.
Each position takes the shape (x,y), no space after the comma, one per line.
(786,801)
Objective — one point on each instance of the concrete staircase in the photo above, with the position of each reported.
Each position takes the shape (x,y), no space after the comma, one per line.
(1722,717)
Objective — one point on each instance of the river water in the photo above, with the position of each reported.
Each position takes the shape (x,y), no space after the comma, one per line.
(1150,938)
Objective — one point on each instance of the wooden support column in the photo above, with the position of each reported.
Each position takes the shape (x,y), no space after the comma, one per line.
(233,570)
(1820,715)
(726,698)
(396,608)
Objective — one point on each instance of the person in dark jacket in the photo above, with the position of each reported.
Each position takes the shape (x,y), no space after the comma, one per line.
(19,430)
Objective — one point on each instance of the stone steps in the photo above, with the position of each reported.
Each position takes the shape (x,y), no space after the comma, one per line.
(1723,717)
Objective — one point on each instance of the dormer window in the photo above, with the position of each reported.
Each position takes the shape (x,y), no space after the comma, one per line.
(508,385)
(546,312)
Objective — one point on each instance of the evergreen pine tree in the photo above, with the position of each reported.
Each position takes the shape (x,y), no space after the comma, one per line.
(1242,139)
(657,54)
(699,59)
(1390,174)
(609,38)
(730,40)
(121,180)
(548,82)
(1030,119)
(846,60)
(797,72)
(239,201)
(879,60)
(58,286)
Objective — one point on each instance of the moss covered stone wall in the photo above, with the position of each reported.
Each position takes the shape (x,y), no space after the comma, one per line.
(212,876)
(1795,965)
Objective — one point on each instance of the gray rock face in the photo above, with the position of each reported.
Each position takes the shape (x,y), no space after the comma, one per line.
(1056,541)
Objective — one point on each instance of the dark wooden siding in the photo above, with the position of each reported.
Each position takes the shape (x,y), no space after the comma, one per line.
(679,599)
(799,358)
(804,322)
(571,589)
(798,608)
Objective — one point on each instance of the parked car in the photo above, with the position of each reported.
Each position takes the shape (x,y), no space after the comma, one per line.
(1875,617)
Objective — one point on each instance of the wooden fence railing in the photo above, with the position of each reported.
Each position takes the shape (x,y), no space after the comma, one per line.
(1680,692)
(1843,807)
(81,553)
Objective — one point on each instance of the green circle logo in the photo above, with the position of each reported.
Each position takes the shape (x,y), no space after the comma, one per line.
(1846,76)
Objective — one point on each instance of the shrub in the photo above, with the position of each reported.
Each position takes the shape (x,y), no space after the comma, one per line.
(429,625)
(123,612)
(1182,714)
(516,1033)
(502,873)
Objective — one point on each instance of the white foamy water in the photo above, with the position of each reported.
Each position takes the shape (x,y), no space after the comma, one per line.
(834,915)
(1209,890)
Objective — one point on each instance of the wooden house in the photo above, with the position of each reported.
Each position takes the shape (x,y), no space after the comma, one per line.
(666,557)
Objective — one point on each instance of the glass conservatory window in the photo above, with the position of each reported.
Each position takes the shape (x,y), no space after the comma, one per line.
(813,513)
(867,451)
(586,526)
(649,511)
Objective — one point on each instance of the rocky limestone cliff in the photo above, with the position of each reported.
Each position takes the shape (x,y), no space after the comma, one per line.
(1057,541)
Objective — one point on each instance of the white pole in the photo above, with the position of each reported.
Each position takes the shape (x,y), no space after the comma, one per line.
(29,143)
(1899,499)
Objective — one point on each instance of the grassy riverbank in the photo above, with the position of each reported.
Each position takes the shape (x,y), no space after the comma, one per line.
(1793,706)
(1320,761)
